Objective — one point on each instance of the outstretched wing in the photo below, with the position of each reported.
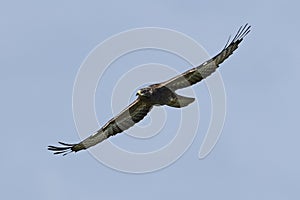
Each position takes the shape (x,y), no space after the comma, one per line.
(196,74)
(134,113)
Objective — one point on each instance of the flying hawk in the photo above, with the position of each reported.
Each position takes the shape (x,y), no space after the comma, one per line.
(156,95)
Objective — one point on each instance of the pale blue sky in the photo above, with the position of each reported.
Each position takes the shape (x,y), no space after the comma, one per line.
(42,45)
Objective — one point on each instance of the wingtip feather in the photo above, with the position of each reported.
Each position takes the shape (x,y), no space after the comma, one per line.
(65,149)
(239,36)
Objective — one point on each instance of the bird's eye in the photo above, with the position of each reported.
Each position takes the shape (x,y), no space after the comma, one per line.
(148,91)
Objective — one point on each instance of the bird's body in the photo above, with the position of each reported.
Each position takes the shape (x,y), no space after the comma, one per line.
(156,95)
(161,95)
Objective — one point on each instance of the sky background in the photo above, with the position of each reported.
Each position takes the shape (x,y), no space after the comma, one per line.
(42,45)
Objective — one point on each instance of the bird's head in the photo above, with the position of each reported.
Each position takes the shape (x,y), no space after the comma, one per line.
(144,92)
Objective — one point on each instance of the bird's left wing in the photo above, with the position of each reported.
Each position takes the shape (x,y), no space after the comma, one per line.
(131,115)
(196,74)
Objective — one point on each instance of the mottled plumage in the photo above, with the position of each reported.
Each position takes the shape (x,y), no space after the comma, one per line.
(156,95)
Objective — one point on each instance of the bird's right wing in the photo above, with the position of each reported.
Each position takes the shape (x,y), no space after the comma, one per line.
(131,115)
(196,74)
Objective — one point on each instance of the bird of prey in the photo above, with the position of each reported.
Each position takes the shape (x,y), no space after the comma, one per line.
(156,95)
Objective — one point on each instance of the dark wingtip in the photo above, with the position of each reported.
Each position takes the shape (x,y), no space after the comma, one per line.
(232,44)
(65,149)
(241,33)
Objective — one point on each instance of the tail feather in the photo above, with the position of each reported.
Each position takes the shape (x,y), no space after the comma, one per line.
(180,101)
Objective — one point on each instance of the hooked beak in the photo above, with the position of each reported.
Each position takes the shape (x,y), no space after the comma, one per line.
(138,93)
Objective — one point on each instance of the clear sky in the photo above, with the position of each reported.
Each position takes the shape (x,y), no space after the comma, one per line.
(43,45)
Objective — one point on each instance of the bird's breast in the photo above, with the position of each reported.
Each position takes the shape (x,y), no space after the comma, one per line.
(161,96)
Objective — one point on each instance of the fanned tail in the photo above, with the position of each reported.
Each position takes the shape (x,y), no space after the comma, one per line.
(180,101)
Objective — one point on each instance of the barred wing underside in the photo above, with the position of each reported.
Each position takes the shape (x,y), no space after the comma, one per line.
(134,113)
(196,74)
